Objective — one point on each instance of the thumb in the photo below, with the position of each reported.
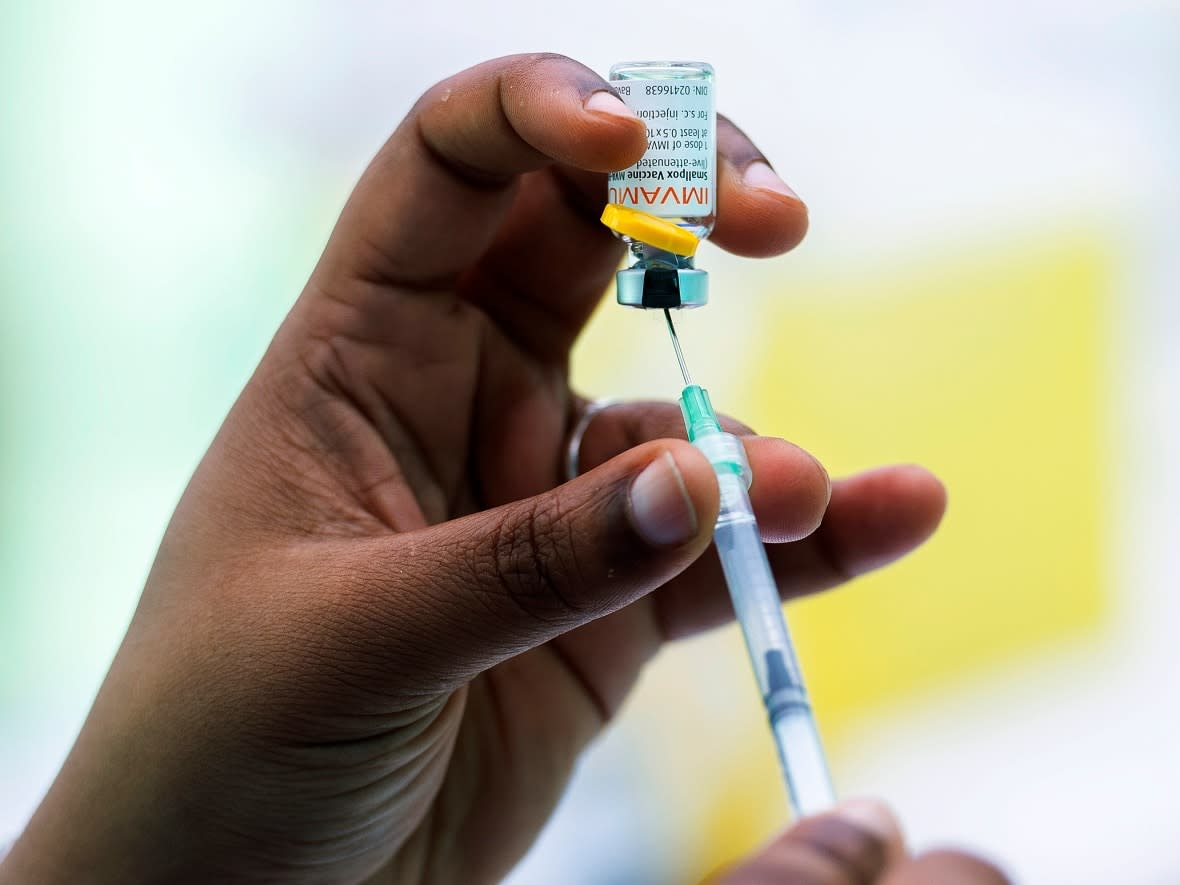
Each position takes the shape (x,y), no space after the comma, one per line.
(855,842)
(447,602)
(858,841)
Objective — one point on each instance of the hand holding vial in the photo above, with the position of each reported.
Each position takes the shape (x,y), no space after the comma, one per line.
(380,628)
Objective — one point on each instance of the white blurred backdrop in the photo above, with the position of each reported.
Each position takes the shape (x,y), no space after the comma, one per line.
(169,172)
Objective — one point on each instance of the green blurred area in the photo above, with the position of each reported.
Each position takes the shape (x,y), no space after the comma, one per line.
(143,268)
(169,173)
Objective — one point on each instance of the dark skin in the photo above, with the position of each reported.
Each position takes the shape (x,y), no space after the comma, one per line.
(381,628)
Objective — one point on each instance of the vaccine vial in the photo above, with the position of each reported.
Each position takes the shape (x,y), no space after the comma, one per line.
(675,180)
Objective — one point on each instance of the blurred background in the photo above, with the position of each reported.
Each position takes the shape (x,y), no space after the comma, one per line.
(987,289)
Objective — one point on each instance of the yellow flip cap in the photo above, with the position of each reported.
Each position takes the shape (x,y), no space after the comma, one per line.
(649,229)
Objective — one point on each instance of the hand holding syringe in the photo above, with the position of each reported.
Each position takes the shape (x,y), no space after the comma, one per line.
(337,588)
(756,603)
(663,222)
(743,558)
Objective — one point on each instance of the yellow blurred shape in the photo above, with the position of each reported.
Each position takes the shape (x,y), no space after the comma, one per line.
(988,367)
(989,370)
(736,811)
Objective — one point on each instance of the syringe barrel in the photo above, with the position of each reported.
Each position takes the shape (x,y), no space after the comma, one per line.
(759,612)
(752,585)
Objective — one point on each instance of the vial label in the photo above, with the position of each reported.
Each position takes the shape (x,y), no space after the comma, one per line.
(675,178)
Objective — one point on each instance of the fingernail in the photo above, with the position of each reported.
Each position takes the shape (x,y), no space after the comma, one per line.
(661,510)
(608,103)
(823,471)
(871,816)
(759,175)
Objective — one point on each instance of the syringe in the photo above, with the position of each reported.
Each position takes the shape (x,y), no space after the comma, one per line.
(756,603)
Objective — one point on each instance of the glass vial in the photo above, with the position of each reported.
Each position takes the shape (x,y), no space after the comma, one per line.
(676,178)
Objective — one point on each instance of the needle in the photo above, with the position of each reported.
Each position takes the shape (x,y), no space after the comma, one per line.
(679,352)
(755,596)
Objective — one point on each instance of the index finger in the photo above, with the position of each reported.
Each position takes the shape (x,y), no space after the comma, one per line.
(951,867)
(431,201)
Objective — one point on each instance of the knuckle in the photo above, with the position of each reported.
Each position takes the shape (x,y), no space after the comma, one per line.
(947,865)
(551,65)
(528,65)
(535,58)
(832,851)
(736,427)
(533,563)
(735,145)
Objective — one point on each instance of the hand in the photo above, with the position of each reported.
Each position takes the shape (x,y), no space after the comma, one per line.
(379,630)
(858,842)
